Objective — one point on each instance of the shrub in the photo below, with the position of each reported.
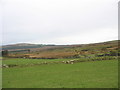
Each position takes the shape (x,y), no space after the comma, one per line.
(5,53)
(114,53)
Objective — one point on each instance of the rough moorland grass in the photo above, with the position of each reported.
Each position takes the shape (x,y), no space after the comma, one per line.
(98,74)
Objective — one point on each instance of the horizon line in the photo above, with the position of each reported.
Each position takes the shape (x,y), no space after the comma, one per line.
(56,44)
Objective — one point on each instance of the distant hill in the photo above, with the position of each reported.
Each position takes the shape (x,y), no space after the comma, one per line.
(32,46)
(63,51)
(23,46)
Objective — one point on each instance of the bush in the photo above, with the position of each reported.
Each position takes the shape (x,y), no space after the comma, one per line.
(5,53)
(114,53)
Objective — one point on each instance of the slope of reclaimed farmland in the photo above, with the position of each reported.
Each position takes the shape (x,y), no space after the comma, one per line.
(20,62)
(98,74)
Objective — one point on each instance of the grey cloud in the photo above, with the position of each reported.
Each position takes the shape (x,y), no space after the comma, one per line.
(53,20)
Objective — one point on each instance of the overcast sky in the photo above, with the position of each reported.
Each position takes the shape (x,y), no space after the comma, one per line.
(59,21)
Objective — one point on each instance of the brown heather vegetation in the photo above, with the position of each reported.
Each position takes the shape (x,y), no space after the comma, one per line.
(68,51)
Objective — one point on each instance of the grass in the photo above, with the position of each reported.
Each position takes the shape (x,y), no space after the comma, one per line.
(21,61)
(97,74)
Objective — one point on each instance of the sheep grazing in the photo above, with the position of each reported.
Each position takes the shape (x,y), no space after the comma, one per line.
(45,62)
(6,66)
(63,61)
(69,62)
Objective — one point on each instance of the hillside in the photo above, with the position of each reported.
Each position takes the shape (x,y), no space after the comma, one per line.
(62,51)
(23,46)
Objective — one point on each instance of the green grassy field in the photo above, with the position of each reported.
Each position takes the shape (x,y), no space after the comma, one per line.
(95,74)
(21,61)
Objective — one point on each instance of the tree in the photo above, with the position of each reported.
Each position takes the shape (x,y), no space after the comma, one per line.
(28,50)
(5,53)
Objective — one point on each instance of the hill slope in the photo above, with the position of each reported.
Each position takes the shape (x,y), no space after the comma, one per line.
(63,51)
(23,46)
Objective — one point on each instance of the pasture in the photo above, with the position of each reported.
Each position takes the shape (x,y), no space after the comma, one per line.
(90,74)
